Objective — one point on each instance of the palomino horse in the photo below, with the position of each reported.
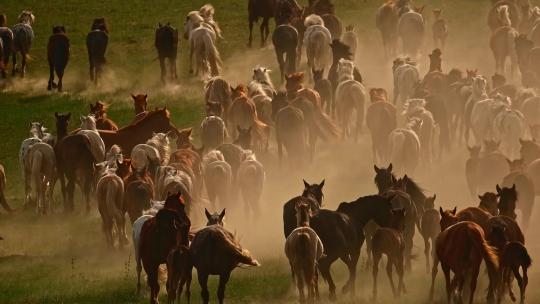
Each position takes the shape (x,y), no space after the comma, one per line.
(96,45)
(202,37)
(57,55)
(218,178)
(23,36)
(213,132)
(99,110)
(350,95)
(260,9)
(404,148)
(304,249)
(381,120)
(460,248)
(386,21)
(215,251)
(406,76)
(166,43)
(428,131)
(317,39)
(262,99)
(219,93)
(285,40)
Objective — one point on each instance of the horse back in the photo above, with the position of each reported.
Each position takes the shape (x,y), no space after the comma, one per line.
(336,232)
(58,49)
(96,44)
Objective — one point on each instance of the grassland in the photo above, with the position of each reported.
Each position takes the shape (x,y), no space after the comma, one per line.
(63,259)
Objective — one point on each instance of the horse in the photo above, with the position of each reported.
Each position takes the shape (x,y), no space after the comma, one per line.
(514,14)
(317,39)
(386,21)
(99,110)
(502,42)
(202,40)
(406,76)
(350,95)
(483,115)
(389,241)
(304,249)
(218,178)
(97,41)
(312,194)
(350,39)
(491,168)
(471,214)
(285,40)
(460,248)
(291,129)
(529,108)
(110,198)
(381,120)
(263,102)
(410,29)
(510,126)
(58,56)
(340,50)
(488,203)
(6,38)
(508,197)
(513,255)
(479,93)
(139,131)
(243,113)
(333,24)
(260,9)
(439,29)
(166,43)
(160,235)
(214,250)
(218,94)
(23,36)
(176,180)
(404,148)
(40,170)
(140,103)
(524,187)
(3,201)
(430,228)
(244,138)
(251,179)
(138,193)
(76,155)
(153,153)
(428,131)
(324,88)
(471,168)
(189,161)
(213,132)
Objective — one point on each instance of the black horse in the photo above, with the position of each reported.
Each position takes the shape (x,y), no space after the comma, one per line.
(285,40)
(340,50)
(167,44)
(57,56)
(96,45)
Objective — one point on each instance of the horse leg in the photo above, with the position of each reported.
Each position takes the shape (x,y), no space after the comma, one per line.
(153,283)
(91,71)
(203,281)
(522,284)
(266,20)
(400,272)
(351,260)
(262,31)
(281,62)
(23,65)
(434,270)
(280,150)
(69,192)
(51,77)
(474,278)
(324,268)
(191,50)
(138,269)
(389,264)
(60,74)
(163,68)
(426,251)
(449,289)
(300,287)
(173,68)
(375,271)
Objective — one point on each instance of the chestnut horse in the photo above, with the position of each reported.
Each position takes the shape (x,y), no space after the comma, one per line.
(160,235)
(460,248)
(472,214)
(99,110)
(138,193)
(138,132)
(140,103)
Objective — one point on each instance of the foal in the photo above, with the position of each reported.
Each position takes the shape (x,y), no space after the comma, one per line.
(304,249)
(389,241)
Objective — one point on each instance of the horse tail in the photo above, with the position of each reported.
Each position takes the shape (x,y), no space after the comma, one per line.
(111,198)
(35,170)
(243,256)
(489,253)
(212,55)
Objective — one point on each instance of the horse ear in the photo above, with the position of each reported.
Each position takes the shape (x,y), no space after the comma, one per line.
(222,214)
(508,161)
(480,197)
(208,215)
(454,210)
(238,129)
(145,96)
(390,167)
(376,168)
(321,185)
(514,187)
(306,185)
(188,131)
(434,197)
(441,211)
(499,190)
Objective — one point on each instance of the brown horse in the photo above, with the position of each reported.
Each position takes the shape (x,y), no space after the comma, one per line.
(387,21)
(160,235)
(166,43)
(57,55)
(190,162)
(430,228)
(96,45)
(488,203)
(524,187)
(138,193)
(138,132)
(389,241)
(381,120)
(99,110)
(471,214)
(260,9)
(243,114)
(507,201)
(75,162)
(183,139)
(140,103)
(460,248)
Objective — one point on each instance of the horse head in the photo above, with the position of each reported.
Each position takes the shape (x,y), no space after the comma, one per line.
(193,21)
(384,178)
(474,151)
(314,191)
(88,122)
(98,109)
(479,85)
(303,213)
(140,102)
(397,220)
(100,24)
(378,95)
(294,82)
(429,202)
(529,150)
(503,14)
(448,218)
(27,17)
(279,101)
(507,200)
(183,138)
(516,165)
(58,29)
(491,145)
(261,74)
(62,122)
(214,218)
(345,69)
(37,129)
(488,202)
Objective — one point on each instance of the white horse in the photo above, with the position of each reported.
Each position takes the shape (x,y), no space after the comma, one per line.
(23,36)
(218,178)
(202,41)
(411,29)
(427,130)
(404,147)
(110,196)
(406,76)
(509,127)
(40,174)
(350,96)
(251,177)
(483,116)
(153,153)
(37,134)
(89,130)
(261,75)
(258,92)
(317,40)
(213,132)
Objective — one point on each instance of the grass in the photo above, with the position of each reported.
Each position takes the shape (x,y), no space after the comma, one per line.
(61,259)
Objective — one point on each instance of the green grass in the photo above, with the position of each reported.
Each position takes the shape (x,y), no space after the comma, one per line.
(63,259)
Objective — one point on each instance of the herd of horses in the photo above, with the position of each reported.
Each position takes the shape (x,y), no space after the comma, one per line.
(134,169)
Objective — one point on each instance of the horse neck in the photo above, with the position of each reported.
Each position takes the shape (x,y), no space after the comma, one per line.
(311,196)
(61,132)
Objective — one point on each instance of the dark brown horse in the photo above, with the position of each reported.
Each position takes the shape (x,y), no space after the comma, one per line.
(387,21)
(75,162)
(3,201)
(524,187)
(99,110)
(160,235)
(264,9)
(507,201)
(138,132)
(57,55)
(286,39)
(138,193)
(460,249)
(166,43)
(96,45)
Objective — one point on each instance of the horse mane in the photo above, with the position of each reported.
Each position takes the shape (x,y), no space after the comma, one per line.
(340,50)
(195,17)
(26,17)
(162,147)
(414,189)
(151,114)
(313,20)
(504,15)
(3,20)
(207,11)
